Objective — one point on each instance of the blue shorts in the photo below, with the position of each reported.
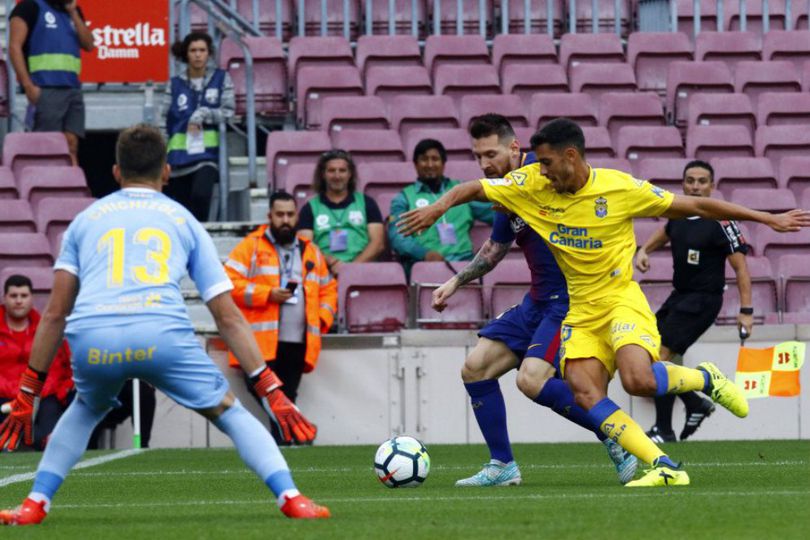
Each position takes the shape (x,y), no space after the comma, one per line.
(530,328)
(164,353)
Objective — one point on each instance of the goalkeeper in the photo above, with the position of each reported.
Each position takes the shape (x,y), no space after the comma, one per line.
(116,296)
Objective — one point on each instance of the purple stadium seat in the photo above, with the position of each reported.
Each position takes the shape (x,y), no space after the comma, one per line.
(590,49)
(686,78)
(379,178)
(315,83)
(298,181)
(527,50)
(663,172)
(328,51)
(763,291)
(470,17)
(41,279)
(465,310)
(640,142)
(334,18)
(734,173)
(269,74)
(656,283)
(598,79)
(287,147)
(623,109)
(776,142)
(479,233)
(384,200)
(543,78)
(506,285)
(728,47)
(606,16)
(267,16)
(455,141)
(578,107)
(458,81)
(391,82)
(524,136)
(402,17)
(415,112)
(706,142)
(650,54)
(16,216)
(372,297)
(768,200)
(8,187)
(22,150)
(353,112)
(794,273)
(780,108)
(463,170)
(370,144)
(538,17)
(754,78)
(36,183)
(806,76)
(794,174)
(774,245)
(387,51)
(753,19)
(510,106)
(55,214)
(644,229)
(459,50)
(25,249)
(722,109)
(618,164)
(598,142)
(686,17)
(793,46)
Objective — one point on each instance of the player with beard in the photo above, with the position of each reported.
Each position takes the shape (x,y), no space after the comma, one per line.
(283,287)
(525,336)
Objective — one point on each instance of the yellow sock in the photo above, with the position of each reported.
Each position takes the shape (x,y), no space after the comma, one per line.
(620,427)
(684,379)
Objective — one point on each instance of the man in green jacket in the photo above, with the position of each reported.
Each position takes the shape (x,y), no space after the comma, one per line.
(447,240)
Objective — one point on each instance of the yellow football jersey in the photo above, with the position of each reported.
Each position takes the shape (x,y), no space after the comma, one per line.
(590,232)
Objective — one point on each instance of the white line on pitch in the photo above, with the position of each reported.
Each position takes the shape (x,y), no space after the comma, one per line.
(92,462)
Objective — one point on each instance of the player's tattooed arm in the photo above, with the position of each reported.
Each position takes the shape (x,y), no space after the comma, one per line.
(490,254)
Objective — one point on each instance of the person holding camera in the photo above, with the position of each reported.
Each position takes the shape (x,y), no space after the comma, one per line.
(283,287)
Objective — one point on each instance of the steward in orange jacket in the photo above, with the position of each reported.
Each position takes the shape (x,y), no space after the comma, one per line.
(253,267)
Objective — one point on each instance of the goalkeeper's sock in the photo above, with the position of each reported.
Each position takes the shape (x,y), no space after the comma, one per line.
(256,447)
(489,408)
(557,396)
(66,446)
(674,379)
(617,424)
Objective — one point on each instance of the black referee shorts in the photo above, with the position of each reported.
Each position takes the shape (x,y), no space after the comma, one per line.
(684,317)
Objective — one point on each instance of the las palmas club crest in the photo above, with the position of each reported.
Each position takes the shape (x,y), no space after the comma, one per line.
(600,207)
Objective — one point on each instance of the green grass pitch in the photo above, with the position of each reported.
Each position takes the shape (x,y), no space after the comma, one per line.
(756,490)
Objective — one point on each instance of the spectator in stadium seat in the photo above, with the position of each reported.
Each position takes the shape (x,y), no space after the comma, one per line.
(198,99)
(447,240)
(700,248)
(346,225)
(283,287)
(18,324)
(45,40)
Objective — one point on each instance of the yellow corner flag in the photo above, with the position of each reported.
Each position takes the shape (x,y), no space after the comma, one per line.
(770,372)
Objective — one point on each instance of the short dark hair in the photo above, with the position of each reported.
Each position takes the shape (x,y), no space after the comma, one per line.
(281,195)
(17,280)
(429,144)
(141,152)
(699,163)
(490,124)
(180,48)
(559,134)
(318,185)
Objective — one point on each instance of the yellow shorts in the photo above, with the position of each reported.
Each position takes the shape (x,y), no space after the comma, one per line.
(599,329)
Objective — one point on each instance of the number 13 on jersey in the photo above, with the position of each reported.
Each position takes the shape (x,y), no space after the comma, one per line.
(154,271)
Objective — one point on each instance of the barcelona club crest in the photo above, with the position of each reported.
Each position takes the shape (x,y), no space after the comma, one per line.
(600,207)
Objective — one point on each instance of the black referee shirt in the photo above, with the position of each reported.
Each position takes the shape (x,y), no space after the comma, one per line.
(699,251)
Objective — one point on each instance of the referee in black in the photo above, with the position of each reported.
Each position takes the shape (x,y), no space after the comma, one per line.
(700,248)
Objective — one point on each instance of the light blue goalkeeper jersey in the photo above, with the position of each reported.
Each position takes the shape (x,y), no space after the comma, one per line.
(130,250)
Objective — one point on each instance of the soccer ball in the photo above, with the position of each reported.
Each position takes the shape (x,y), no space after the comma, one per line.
(402,462)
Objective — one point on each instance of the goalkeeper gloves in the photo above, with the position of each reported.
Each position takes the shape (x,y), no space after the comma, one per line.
(21,411)
(283,412)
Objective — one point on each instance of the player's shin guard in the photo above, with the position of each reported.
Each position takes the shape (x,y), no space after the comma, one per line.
(557,396)
(618,425)
(673,379)
(489,408)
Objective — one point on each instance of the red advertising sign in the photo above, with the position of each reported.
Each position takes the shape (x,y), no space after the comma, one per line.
(131,39)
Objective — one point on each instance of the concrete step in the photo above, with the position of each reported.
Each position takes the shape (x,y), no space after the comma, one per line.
(259,205)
